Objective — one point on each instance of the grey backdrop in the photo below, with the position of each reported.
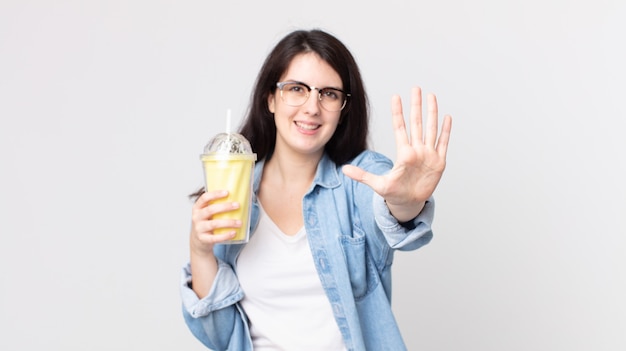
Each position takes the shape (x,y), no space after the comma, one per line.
(105,106)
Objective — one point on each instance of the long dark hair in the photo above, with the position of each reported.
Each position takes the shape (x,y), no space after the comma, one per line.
(350,138)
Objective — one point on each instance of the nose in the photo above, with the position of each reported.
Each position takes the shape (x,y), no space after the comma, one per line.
(313,103)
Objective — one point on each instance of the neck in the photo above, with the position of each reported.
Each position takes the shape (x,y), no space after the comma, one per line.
(295,170)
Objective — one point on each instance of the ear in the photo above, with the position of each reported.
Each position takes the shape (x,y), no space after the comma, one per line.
(271,102)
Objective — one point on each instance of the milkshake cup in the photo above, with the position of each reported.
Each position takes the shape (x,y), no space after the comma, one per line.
(228,163)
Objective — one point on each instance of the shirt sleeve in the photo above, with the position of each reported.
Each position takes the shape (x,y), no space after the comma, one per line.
(224,292)
(410,235)
(216,320)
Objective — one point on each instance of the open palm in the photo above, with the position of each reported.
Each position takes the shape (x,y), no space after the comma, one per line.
(420,159)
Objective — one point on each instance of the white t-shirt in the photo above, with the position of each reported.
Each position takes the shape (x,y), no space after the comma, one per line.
(284,299)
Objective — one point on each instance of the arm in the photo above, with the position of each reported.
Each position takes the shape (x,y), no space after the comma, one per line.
(216,320)
(202,239)
(209,287)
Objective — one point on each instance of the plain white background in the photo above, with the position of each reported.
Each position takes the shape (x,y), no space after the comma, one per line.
(105,106)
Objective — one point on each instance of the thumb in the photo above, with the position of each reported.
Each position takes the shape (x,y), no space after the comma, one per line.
(361,176)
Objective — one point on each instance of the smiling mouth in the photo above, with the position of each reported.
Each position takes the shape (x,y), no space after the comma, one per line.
(306,126)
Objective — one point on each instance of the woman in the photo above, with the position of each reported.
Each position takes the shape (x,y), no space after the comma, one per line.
(327,213)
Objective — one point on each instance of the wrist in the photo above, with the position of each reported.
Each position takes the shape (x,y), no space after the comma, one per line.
(405,212)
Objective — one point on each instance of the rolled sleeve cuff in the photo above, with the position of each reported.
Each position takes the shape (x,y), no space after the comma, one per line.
(402,235)
(224,292)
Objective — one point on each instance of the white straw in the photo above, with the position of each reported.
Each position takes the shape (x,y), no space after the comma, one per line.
(228,121)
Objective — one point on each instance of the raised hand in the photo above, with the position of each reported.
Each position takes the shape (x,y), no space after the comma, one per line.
(420,161)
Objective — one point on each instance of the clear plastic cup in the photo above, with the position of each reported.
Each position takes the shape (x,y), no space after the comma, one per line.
(228,163)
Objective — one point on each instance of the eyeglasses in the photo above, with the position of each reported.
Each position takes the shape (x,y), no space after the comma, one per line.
(297,93)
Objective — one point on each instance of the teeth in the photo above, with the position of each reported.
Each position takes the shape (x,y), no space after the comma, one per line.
(307,126)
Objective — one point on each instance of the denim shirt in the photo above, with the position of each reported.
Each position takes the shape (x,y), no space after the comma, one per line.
(352,236)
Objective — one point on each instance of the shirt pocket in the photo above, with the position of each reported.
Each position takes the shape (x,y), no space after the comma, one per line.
(363,274)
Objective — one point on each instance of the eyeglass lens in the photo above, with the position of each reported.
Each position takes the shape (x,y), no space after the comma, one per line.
(296,94)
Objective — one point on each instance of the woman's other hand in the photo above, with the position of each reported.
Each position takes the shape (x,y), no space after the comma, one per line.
(202,239)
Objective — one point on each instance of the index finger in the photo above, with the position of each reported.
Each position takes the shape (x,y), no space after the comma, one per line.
(399,128)
(208,196)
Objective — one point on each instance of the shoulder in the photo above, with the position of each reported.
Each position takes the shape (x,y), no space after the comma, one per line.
(372,161)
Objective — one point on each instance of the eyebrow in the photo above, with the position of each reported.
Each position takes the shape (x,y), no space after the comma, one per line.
(309,85)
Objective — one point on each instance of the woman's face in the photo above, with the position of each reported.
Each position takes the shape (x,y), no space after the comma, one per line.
(305,129)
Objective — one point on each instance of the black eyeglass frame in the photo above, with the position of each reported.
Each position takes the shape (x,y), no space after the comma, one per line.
(346,95)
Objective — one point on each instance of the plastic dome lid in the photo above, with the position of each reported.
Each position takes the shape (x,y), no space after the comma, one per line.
(228,143)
